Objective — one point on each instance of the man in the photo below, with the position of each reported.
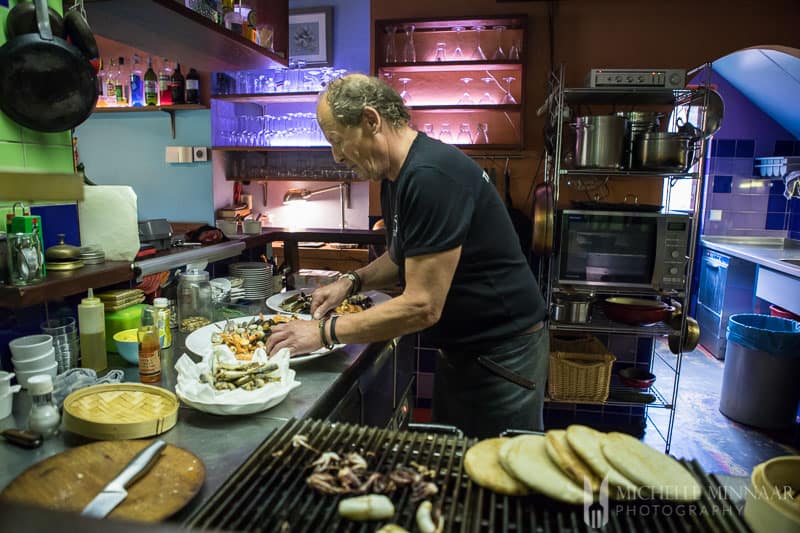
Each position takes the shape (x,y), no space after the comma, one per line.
(451,244)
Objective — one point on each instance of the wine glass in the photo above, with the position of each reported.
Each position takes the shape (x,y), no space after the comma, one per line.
(482,133)
(440,52)
(466,98)
(444,133)
(387,78)
(464,134)
(487,97)
(458,53)
(499,53)
(478,54)
(391,49)
(404,94)
(508,98)
(409,51)
(513,53)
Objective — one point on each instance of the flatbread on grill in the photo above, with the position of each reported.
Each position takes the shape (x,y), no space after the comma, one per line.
(559,451)
(587,443)
(656,473)
(525,458)
(482,463)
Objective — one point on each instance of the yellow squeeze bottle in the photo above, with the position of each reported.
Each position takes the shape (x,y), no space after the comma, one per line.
(92,328)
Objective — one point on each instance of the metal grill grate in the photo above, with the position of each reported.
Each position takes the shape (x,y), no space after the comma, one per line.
(269,493)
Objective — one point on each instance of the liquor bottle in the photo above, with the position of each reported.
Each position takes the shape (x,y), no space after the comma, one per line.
(137,89)
(192,87)
(101,85)
(150,84)
(121,87)
(233,19)
(111,83)
(164,83)
(178,86)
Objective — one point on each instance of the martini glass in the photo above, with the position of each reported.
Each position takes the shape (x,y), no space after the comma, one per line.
(478,54)
(482,133)
(487,97)
(458,53)
(508,98)
(444,133)
(440,53)
(513,52)
(466,98)
(464,134)
(499,53)
(404,94)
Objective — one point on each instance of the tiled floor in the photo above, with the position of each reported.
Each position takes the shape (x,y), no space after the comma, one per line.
(701,432)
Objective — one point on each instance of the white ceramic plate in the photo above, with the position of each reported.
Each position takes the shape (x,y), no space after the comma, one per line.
(274,302)
(199,341)
(240,408)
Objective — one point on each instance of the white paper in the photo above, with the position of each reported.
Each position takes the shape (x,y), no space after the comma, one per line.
(204,397)
(108,217)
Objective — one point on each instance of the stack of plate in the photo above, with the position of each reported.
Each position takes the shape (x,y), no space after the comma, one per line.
(92,255)
(257,279)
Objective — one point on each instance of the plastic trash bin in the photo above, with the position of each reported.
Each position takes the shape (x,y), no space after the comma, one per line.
(761,379)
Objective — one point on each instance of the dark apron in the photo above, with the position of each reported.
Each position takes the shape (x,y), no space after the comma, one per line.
(471,392)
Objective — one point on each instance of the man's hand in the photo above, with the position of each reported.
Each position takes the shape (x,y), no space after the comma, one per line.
(300,336)
(329,296)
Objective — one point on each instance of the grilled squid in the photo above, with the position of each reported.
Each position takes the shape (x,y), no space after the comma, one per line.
(429,520)
(369,507)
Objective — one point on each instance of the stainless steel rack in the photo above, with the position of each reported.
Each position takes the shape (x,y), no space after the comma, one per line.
(557,112)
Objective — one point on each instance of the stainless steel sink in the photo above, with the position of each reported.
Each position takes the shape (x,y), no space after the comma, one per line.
(795,262)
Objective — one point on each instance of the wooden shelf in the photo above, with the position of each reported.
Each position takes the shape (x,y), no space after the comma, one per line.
(166,28)
(473,108)
(149,108)
(40,186)
(60,284)
(266,98)
(451,66)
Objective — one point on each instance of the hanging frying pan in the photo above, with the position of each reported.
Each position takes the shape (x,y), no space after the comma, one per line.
(22,19)
(543,219)
(46,84)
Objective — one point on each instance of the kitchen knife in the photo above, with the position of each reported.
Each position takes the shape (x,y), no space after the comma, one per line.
(113,493)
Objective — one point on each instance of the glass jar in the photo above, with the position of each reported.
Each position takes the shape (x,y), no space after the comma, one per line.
(195,308)
(25,259)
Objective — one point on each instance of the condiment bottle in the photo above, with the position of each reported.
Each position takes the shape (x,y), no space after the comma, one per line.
(92,327)
(43,417)
(162,310)
(149,347)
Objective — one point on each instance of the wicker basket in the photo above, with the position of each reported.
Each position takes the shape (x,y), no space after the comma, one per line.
(580,370)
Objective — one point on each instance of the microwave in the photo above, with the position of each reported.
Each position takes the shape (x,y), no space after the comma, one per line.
(626,249)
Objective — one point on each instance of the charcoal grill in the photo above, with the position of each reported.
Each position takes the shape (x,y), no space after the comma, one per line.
(269,493)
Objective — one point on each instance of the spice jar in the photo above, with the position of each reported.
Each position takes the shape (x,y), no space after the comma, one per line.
(43,417)
(195,308)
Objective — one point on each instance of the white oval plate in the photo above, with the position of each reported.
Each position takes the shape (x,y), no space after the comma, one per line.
(274,302)
(199,341)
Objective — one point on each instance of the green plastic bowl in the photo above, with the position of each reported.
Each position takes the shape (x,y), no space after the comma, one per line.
(128,345)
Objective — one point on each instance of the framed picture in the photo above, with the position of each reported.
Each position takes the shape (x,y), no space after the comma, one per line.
(311,35)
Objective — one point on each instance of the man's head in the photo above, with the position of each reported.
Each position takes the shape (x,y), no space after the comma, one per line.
(358,115)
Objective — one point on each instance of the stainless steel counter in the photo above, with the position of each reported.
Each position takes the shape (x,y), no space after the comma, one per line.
(764,251)
(221,442)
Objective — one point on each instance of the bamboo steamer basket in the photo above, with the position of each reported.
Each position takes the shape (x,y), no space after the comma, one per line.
(769,507)
(120,411)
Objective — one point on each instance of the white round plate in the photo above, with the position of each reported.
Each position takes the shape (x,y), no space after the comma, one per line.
(199,341)
(274,302)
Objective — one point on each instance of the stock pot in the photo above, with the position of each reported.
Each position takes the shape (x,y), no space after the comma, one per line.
(663,151)
(600,141)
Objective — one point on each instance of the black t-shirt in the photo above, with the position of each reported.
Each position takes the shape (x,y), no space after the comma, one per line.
(440,200)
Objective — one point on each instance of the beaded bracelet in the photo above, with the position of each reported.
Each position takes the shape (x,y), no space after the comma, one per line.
(356,282)
(322,335)
(334,339)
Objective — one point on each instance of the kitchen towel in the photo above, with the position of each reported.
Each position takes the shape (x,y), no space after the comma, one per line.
(108,217)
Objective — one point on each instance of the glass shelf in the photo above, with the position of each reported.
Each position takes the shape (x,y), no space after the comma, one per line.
(266,98)
(627,173)
(451,66)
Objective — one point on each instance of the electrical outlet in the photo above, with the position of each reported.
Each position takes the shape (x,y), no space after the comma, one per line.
(200,153)
(715,215)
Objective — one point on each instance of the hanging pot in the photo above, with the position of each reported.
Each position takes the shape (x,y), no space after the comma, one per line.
(543,219)
(46,84)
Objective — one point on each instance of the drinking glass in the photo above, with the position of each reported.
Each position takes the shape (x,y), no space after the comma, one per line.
(391,49)
(404,94)
(513,53)
(427,129)
(466,98)
(444,133)
(440,53)
(481,133)
(477,53)
(508,98)
(487,97)
(458,53)
(409,51)
(65,341)
(464,134)
(499,53)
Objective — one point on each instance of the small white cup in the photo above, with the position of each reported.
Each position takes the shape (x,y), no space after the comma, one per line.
(5,382)
(30,347)
(37,363)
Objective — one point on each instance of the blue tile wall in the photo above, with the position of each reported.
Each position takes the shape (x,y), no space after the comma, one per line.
(726,148)
(784,147)
(745,148)
(723,184)
(775,221)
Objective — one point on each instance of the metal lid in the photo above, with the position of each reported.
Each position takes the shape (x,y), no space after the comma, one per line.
(194,275)
(160,302)
(62,252)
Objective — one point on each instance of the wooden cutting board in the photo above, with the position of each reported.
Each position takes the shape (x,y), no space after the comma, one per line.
(69,480)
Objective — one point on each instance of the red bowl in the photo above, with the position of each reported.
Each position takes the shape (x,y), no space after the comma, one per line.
(636,377)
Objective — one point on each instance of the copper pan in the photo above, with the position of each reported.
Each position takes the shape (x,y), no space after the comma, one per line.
(543,219)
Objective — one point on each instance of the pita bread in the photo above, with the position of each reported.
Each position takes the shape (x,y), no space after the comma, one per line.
(559,451)
(587,444)
(525,457)
(656,472)
(482,463)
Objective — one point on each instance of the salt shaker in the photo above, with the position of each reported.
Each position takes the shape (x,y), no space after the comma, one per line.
(44,417)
